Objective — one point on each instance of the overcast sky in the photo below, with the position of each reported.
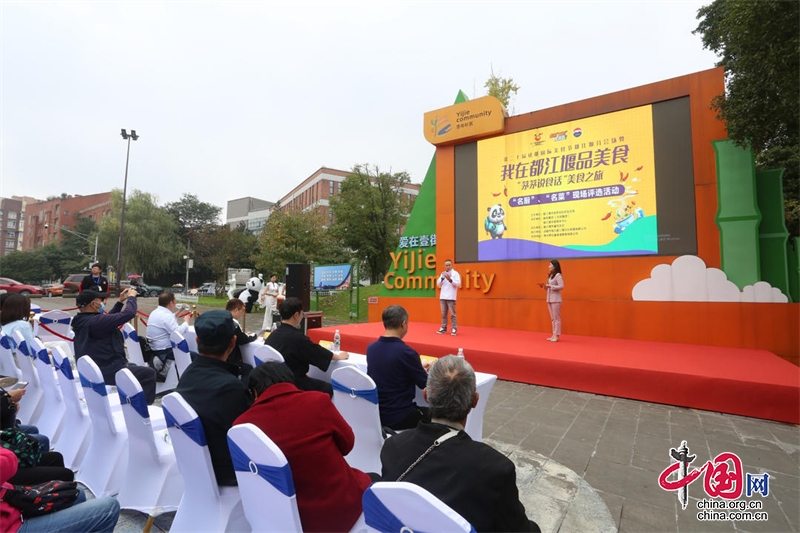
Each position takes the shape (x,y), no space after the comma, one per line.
(241,99)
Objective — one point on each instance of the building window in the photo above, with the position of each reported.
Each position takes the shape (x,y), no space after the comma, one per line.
(11,224)
(330,187)
(12,214)
(11,235)
(11,244)
(339,187)
(65,212)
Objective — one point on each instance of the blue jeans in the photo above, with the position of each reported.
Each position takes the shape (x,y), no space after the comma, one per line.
(94,516)
(33,431)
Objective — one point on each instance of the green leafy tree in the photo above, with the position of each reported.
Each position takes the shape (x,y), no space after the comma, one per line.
(369,215)
(197,222)
(26,267)
(501,88)
(222,247)
(296,237)
(150,242)
(759,46)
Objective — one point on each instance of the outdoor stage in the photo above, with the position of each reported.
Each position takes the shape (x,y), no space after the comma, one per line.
(746,382)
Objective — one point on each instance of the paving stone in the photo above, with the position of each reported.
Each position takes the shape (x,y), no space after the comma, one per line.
(639,517)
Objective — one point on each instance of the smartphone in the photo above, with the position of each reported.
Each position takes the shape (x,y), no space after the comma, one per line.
(19,385)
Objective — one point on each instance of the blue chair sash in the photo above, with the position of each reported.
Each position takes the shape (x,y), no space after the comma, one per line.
(137,401)
(23,347)
(279,477)
(47,320)
(7,342)
(368,394)
(192,429)
(182,346)
(378,516)
(132,335)
(43,356)
(66,369)
(99,388)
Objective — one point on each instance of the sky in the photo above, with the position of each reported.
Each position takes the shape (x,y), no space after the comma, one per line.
(235,99)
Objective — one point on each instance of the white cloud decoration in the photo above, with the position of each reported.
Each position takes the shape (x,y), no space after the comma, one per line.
(688,279)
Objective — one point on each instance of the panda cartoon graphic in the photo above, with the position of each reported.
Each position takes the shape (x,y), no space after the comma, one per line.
(249,295)
(494,224)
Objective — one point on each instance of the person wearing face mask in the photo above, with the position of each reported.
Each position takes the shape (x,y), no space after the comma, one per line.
(98,335)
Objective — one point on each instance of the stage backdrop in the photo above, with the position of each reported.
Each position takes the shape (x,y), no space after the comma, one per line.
(612,186)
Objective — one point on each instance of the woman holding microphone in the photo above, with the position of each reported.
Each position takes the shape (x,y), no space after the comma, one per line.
(554,286)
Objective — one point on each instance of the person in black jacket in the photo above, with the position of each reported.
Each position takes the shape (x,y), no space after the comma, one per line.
(237,310)
(474,479)
(94,281)
(98,336)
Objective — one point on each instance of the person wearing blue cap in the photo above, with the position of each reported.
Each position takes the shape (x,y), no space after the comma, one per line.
(212,387)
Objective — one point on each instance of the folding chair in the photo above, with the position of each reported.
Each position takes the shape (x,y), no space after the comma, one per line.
(265,481)
(265,353)
(32,404)
(205,506)
(53,326)
(356,397)
(390,507)
(107,457)
(152,484)
(8,362)
(51,421)
(180,349)
(74,442)
(132,344)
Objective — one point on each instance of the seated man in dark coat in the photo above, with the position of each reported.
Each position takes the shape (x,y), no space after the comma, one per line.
(298,350)
(476,480)
(211,386)
(98,335)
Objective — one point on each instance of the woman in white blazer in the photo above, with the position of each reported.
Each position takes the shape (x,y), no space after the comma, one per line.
(554,286)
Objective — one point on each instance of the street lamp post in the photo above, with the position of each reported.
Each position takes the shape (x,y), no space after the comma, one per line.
(128,137)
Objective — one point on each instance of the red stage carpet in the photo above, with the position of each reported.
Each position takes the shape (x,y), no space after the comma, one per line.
(745,382)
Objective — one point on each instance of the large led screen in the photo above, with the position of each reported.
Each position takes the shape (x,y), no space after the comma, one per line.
(618,184)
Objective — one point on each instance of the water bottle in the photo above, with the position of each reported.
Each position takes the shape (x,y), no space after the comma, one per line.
(337,342)
(460,352)
(274,326)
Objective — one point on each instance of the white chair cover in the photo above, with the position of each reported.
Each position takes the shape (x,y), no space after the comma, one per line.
(58,322)
(356,397)
(132,344)
(74,442)
(265,353)
(107,457)
(180,348)
(8,362)
(205,507)
(265,481)
(32,404)
(402,506)
(51,421)
(152,484)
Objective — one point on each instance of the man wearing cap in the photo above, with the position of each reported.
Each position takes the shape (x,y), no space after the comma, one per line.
(212,387)
(98,335)
(94,281)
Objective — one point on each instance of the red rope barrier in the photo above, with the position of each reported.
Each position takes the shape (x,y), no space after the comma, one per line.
(57,334)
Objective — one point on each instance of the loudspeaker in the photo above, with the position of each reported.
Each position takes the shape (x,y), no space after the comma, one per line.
(298,283)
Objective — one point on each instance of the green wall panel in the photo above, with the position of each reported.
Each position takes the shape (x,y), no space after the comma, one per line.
(772,233)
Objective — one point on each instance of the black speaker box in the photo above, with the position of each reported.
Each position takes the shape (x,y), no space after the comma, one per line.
(298,283)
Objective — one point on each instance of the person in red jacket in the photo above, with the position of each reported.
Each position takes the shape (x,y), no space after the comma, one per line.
(314,437)
(94,516)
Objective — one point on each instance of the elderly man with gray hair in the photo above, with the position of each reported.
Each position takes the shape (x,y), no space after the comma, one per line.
(476,480)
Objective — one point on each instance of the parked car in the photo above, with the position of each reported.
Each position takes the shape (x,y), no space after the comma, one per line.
(143,289)
(53,289)
(207,289)
(72,285)
(9,285)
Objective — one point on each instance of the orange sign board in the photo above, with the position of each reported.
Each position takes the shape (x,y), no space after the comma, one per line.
(468,120)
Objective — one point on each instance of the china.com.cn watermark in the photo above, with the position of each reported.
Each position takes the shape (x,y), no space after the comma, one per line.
(723,482)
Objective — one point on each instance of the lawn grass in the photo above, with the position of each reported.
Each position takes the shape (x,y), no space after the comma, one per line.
(336,307)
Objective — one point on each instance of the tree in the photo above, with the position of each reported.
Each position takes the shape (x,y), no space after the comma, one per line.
(369,215)
(150,242)
(759,46)
(26,267)
(221,248)
(500,88)
(192,214)
(296,237)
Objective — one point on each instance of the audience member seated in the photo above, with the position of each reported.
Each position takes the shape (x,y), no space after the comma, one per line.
(476,480)
(396,369)
(236,308)
(15,316)
(160,325)
(212,387)
(94,516)
(9,406)
(298,350)
(98,335)
(314,438)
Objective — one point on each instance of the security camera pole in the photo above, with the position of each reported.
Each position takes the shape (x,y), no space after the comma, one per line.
(127,137)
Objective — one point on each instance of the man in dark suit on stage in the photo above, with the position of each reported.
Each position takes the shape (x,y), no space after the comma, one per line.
(476,480)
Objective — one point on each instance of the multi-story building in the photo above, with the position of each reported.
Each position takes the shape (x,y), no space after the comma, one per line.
(26,200)
(252,211)
(61,212)
(11,219)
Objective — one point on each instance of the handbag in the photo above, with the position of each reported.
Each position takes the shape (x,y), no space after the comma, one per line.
(24,446)
(44,498)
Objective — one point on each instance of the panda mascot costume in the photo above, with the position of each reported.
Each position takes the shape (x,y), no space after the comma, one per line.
(249,294)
